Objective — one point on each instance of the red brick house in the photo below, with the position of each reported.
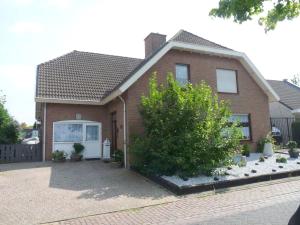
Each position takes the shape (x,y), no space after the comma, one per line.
(88,97)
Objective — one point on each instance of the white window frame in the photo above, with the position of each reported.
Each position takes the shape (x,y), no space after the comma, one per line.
(220,73)
(249,123)
(188,73)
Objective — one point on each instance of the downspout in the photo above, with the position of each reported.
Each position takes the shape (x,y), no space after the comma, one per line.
(44,133)
(124,129)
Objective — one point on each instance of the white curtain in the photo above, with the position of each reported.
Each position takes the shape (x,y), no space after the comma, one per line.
(67,132)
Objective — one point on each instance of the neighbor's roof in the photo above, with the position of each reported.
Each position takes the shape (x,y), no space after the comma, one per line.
(92,78)
(289,93)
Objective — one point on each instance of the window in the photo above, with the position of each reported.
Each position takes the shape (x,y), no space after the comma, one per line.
(182,73)
(244,122)
(67,132)
(226,81)
(92,133)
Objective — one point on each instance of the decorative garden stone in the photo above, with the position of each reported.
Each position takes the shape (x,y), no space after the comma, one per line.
(280,167)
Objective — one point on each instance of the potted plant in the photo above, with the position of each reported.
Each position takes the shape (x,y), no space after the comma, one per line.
(268,146)
(59,156)
(246,150)
(119,157)
(292,145)
(77,153)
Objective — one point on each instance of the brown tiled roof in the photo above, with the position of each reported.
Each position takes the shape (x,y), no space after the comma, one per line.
(289,93)
(86,76)
(82,75)
(187,37)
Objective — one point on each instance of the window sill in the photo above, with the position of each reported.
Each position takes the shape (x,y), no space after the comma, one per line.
(230,93)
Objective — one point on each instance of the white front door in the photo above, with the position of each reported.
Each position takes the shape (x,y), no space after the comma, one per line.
(92,141)
(88,133)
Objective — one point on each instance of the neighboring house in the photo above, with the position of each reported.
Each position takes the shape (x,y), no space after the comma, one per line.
(88,97)
(289,104)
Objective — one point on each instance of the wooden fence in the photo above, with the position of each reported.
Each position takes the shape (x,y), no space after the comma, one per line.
(20,153)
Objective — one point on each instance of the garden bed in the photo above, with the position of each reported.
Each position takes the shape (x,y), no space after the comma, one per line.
(254,171)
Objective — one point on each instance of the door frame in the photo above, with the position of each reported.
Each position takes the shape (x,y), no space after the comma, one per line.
(114,132)
(84,123)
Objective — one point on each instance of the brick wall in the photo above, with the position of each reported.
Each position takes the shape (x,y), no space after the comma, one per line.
(58,112)
(250,99)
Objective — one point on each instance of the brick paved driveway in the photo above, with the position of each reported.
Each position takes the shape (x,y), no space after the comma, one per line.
(269,203)
(32,193)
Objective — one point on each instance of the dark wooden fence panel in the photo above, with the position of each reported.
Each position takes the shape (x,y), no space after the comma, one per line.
(20,153)
(285,127)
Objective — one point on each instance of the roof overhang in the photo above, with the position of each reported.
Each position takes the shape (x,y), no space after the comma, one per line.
(67,101)
(242,57)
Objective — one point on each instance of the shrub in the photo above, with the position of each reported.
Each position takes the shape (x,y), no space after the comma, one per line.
(78,148)
(269,139)
(281,159)
(261,158)
(296,131)
(119,157)
(292,145)
(246,150)
(58,155)
(260,145)
(186,130)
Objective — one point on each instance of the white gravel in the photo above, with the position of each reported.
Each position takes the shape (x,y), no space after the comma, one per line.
(263,168)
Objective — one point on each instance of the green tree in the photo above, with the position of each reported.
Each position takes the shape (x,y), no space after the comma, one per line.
(186,130)
(243,10)
(8,126)
(296,80)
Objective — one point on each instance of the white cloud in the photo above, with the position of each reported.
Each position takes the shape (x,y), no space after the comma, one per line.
(26,27)
(18,84)
(23,2)
(62,4)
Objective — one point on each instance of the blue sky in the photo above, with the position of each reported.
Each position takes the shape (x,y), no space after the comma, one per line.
(35,31)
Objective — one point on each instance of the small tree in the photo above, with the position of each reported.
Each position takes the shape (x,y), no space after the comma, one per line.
(186,130)
(296,80)
(241,11)
(8,126)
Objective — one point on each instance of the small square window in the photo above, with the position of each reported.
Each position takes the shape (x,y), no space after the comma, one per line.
(226,81)
(182,73)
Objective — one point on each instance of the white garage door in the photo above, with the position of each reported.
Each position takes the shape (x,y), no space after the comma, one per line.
(68,132)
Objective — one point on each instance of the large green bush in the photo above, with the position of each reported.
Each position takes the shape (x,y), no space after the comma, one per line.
(8,126)
(186,130)
(296,131)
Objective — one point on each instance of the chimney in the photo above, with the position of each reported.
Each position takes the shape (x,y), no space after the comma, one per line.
(152,42)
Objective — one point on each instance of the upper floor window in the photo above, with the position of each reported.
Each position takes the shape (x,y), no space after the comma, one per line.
(182,73)
(227,81)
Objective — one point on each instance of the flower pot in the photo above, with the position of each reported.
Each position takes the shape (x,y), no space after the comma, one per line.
(268,149)
(76,157)
(294,153)
(59,160)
